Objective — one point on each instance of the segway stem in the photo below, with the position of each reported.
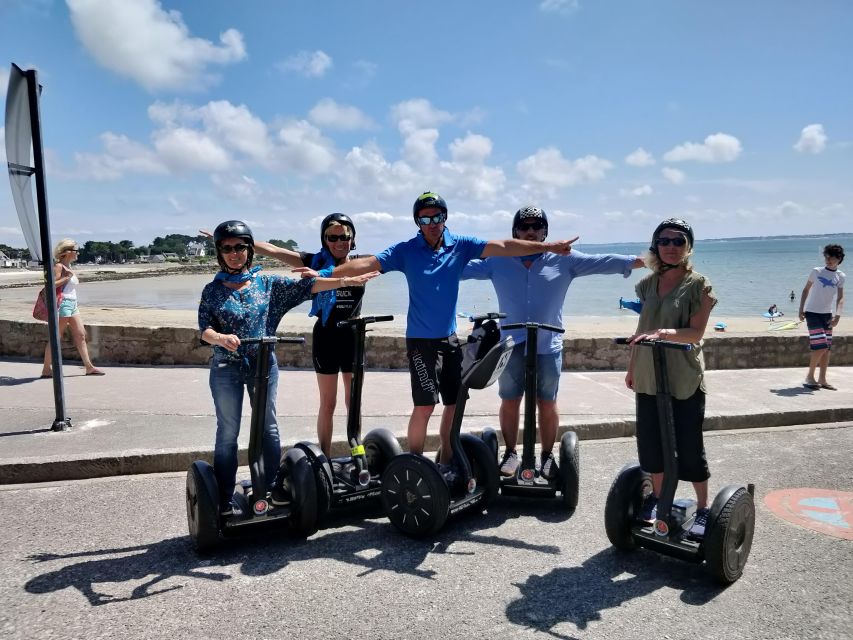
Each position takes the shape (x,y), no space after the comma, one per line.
(666,421)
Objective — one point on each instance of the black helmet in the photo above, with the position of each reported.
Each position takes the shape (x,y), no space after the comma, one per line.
(427,200)
(233,229)
(673,223)
(336,218)
(529,212)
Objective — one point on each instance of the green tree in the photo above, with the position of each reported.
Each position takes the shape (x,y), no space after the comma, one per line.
(285,244)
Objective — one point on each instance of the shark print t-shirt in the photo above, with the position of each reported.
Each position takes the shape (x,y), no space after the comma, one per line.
(825,284)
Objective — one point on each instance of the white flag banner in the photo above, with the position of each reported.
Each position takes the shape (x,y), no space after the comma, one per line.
(19,153)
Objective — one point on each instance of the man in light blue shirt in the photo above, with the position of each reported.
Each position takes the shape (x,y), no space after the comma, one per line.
(532,288)
(432,262)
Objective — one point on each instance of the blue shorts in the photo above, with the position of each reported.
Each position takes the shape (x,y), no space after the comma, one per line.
(548,366)
(68,308)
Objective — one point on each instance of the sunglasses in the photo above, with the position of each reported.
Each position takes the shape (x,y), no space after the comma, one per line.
(536,226)
(233,248)
(438,218)
(341,238)
(665,242)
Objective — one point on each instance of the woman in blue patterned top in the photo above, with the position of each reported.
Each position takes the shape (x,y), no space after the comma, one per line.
(241,303)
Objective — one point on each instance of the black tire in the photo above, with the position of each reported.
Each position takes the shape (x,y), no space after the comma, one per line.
(299,480)
(484,466)
(319,464)
(624,501)
(414,495)
(202,507)
(570,475)
(380,447)
(490,437)
(729,540)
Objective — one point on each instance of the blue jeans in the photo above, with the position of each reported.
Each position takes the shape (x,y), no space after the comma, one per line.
(227,381)
(548,365)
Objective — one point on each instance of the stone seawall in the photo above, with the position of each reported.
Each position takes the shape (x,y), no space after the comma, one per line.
(180,346)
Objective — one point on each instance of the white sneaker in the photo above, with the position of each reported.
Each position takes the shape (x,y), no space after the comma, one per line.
(548,468)
(509,464)
(697,529)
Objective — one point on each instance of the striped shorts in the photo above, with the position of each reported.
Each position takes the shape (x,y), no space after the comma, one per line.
(820,330)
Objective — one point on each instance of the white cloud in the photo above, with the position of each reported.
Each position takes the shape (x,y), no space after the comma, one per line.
(304,149)
(140,40)
(472,149)
(418,114)
(328,113)
(719,147)
(240,188)
(645,190)
(640,158)
(365,169)
(4,81)
(812,139)
(467,174)
(548,170)
(564,7)
(673,175)
(311,64)
(190,150)
(121,155)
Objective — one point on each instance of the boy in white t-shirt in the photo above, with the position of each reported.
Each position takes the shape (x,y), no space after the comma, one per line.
(824,284)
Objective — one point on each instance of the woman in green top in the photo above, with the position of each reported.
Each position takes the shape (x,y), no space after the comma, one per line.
(677,303)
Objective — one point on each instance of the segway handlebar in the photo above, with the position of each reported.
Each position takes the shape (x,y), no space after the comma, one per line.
(533,325)
(273,340)
(684,346)
(364,320)
(492,315)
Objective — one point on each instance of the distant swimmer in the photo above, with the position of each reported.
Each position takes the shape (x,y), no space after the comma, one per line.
(792,296)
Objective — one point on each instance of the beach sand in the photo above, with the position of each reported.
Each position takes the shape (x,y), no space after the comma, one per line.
(16,305)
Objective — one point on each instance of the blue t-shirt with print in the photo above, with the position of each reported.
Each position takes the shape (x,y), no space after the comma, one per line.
(433,279)
(251,312)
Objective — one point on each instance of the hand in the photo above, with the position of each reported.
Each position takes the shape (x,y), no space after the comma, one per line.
(802,316)
(205,233)
(306,272)
(660,334)
(629,380)
(835,320)
(229,342)
(356,281)
(561,247)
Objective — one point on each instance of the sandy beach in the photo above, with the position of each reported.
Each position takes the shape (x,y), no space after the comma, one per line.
(18,290)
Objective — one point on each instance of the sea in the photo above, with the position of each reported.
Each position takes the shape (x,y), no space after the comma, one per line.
(748,275)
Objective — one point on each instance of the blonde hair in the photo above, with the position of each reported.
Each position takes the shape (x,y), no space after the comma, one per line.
(63,246)
(654,262)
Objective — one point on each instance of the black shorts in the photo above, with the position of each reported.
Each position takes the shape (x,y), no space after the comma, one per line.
(435,367)
(689,415)
(333,349)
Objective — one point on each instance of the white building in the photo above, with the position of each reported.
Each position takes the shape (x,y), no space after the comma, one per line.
(196,250)
(10,263)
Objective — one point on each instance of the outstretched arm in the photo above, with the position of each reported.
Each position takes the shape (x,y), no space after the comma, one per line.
(512,247)
(325,284)
(288,257)
(353,267)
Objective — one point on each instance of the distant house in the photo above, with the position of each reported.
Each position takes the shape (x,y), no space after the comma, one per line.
(157,257)
(170,256)
(196,250)
(10,263)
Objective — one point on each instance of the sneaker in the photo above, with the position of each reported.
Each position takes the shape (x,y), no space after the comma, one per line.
(278,496)
(448,472)
(509,464)
(649,510)
(697,529)
(548,466)
(231,509)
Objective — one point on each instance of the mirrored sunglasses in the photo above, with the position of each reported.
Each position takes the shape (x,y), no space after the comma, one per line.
(665,242)
(233,248)
(538,225)
(438,218)
(335,238)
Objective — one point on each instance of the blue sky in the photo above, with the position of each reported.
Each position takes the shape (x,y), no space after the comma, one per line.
(163,116)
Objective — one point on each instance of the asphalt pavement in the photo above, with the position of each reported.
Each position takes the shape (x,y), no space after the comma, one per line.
(160,418)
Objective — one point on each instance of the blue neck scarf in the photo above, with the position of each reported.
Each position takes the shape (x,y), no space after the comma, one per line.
(237,277)
(323,303)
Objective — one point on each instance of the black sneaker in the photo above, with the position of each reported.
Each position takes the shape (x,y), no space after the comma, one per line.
(649,510)
(278,496)
(548,466)
(231,509)
(697,529)
(509,463)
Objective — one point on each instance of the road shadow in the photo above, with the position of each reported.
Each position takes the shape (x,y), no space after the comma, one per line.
(607,580)
(9,381)
(792,392)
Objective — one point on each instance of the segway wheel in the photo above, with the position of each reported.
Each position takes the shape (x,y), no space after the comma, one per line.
(570,475)
(299,480)
(729,540)
(414,495)
(490,437)
(380,447)
(319,465)
(202,507)
(624,501)
(484,466)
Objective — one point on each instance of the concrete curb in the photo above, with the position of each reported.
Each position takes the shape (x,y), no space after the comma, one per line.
(55,468)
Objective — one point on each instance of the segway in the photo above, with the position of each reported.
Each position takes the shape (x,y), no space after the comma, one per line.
(527,480)
(353,481)
(725,547)
(295,479)
(418,495)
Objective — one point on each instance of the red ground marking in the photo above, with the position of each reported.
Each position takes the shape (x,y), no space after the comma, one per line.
(822,510)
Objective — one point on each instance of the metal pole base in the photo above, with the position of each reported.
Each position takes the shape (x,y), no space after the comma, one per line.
(61,425)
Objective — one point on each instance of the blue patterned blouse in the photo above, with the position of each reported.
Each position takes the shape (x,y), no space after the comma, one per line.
(251,312)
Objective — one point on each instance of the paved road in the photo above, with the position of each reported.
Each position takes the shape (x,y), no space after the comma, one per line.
(110,557)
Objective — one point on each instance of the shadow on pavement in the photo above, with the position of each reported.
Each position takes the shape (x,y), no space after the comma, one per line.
(607,580)
(7,381)
(790,392)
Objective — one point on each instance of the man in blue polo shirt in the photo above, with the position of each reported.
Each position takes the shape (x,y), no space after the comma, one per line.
(432,262)
(532,288)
